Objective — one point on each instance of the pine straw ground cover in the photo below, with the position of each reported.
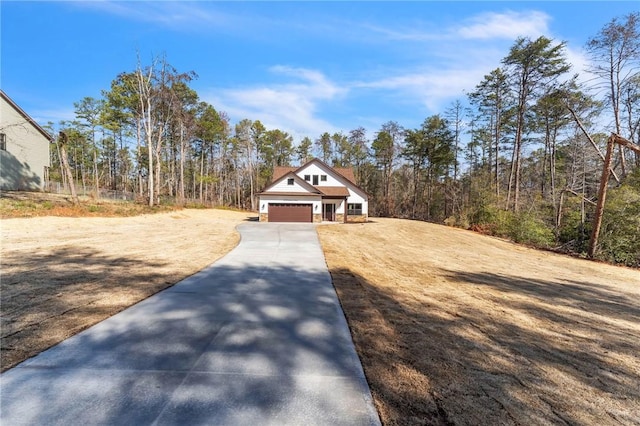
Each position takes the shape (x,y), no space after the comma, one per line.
(453,327)
(60,275)
(15,204)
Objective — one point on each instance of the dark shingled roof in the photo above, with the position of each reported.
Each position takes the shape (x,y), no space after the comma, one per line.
(334,191)
(279,171)
(346,173)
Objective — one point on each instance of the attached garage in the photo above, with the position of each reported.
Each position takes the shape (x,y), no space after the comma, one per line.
(280,212)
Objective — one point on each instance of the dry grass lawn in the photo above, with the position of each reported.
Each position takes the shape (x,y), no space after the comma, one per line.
(452,327)
(458,328)
(60,275)
(14,204)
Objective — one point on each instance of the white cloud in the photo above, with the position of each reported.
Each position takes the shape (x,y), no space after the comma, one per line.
(171,14)
(44,116)
(507,25)
(315,84)
(579,60)
(291,107)
(403,35)
(456,57)
(431,88)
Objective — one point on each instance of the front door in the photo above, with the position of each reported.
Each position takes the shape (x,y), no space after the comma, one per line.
(329,212)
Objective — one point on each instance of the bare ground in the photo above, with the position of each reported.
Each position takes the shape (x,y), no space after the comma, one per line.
(60,275)
(453,327)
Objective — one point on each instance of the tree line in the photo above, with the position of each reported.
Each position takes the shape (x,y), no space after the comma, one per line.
(530,170)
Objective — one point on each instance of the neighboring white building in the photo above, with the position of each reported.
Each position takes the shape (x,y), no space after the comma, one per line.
(313,192)
(24,149)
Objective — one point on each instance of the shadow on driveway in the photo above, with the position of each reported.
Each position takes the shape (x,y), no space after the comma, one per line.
(257,338)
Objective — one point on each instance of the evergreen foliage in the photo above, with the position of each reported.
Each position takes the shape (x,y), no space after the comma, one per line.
(529,172)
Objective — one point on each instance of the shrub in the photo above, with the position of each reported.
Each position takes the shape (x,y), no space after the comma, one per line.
(619,239)
(483,214)
(451,221)
(573,233)
(525,228)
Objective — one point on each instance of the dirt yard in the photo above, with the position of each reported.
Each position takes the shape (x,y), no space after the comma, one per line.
(458,328)
(60,275)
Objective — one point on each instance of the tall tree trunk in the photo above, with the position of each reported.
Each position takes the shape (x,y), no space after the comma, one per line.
(96,189)
(497,152)
(62,143)
(150,182)
(237,185)
(158,165)
(63,173)
(138,156)
(83,172)
(202,177)
(545,161)
(518,161)
(615,101)
(181,177)
(511,177)
(250,172)
(559,216)
(552,166)
(602,196)
(416,178)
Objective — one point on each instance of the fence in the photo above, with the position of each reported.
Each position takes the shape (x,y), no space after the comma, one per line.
(108,194)
(89,191)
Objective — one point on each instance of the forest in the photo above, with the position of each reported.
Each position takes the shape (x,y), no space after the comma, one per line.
(535,133)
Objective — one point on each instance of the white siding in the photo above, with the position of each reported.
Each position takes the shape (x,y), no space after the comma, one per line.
(315,169)
(355,197)
(265,200)
(283,186)
(22,164)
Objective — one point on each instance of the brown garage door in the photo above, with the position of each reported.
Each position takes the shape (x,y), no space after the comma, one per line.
(290,213)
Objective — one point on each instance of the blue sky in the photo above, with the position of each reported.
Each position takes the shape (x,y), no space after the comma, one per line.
(303,67)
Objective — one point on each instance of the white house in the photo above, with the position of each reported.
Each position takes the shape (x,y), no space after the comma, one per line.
(313,192)
(24,149)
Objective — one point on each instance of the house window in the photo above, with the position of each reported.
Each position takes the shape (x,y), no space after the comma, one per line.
(290,181)
(3,142)
(323,178)
(354,209)
(315,179)
(307,178)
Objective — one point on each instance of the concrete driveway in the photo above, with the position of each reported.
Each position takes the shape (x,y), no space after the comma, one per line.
(258,338)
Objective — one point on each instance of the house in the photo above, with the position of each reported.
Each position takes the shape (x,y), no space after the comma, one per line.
(313,192)
(24,149)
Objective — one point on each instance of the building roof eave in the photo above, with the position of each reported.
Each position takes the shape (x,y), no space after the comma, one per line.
(26,116)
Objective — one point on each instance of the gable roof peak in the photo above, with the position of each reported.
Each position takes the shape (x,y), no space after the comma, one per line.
(298,179)
(279,171)
(345,172)
(26,116)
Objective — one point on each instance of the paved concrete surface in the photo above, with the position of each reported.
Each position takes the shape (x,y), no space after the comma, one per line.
(258,338)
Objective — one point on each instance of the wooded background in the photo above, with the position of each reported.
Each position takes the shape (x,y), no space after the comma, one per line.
(535,134)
